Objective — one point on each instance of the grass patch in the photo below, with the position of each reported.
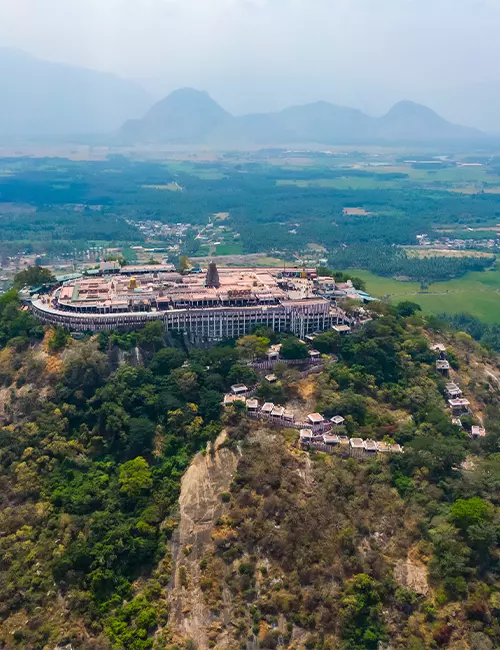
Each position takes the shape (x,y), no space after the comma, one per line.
(476,293)
(229,249)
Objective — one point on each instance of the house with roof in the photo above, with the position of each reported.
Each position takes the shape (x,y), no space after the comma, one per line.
(478,432)
(316,419)
(459,405)
(337,420)
(305,436)
(443,366)
(273,355)
(239,389)
(267,408)
(330,439)
(371,448)
(252,405)
(357,446)
(277,412)
(452,390)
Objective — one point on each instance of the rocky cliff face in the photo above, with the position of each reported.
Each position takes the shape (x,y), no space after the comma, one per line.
(204,487)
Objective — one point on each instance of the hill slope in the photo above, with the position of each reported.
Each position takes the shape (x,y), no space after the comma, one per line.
(274,545)
(188,116)
(40,98)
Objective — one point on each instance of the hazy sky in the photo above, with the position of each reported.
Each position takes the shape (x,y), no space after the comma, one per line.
(265,54)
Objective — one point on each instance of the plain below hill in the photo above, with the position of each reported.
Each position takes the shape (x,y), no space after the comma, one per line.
(189,116)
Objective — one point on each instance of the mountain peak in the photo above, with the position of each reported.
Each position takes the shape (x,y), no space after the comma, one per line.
(411,121)
(185,116)
(189,116)
(407,107)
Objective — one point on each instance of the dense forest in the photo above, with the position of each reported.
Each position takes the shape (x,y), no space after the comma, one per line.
(487,335)
(95,438)
(393,262)
(57,205)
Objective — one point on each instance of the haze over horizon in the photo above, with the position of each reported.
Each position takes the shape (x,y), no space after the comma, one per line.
(264,55)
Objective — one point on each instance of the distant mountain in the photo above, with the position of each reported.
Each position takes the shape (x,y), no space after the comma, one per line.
(410,121)
(44,99)
(188,116)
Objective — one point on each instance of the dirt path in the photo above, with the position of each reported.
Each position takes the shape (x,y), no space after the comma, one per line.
(200,505)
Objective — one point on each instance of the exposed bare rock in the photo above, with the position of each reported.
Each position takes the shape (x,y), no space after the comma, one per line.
(412,574)
(200,505)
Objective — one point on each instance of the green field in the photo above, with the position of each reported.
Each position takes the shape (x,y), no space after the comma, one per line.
(229,249)
(450,178)
(345,183)
(476,293)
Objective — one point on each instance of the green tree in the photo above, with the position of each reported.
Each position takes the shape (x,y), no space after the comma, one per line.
(465,513)
(152,336)
(292,348)
(85,367)
(33,276)
(58,339)
(328,342)
(183,265)
(166,360)
(407,308)
(251,346)
(134,477)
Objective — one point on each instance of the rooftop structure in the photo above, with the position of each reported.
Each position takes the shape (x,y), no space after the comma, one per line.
(438,347)
(315,418)
(237,389)
(453,390)
(478,432)
(337,420)
(227,303)
(459,402)
(342,329)
(212,279)
(252,404)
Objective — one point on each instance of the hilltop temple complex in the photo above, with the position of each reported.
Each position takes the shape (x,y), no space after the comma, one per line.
(223,303)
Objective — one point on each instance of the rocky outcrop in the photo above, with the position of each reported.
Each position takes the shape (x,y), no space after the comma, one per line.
(200,505)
